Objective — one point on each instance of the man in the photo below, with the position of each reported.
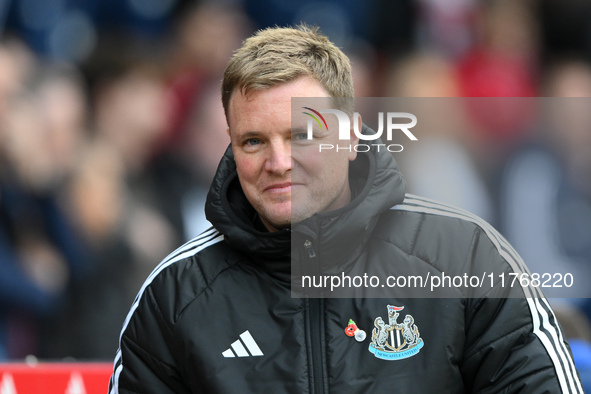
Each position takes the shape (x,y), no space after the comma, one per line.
(217,316)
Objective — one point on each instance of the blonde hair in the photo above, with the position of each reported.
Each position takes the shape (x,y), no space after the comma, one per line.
(274,56)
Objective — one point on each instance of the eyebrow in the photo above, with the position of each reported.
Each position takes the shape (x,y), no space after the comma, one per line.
(249,134)
(257,134)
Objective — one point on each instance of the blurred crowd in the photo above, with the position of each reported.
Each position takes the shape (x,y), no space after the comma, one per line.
(110,136)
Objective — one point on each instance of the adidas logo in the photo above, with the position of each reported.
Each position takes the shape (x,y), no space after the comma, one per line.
(238,348)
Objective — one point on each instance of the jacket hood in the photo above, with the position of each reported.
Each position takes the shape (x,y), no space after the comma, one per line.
(378,185)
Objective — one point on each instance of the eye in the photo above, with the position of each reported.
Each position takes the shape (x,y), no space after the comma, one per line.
(299,136)
(252,144)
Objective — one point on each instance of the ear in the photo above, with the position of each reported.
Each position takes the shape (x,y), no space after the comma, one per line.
(353,137)
(228,131)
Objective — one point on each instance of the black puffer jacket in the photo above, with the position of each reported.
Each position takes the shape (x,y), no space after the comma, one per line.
(217,316)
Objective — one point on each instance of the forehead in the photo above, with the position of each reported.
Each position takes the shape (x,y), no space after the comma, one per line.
(270,104)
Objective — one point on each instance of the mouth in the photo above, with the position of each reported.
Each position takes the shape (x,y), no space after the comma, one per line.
(279,188)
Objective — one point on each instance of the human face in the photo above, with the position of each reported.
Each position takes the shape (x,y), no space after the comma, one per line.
(285,188)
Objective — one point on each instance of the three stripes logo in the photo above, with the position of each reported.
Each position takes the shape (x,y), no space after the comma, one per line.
(240,346)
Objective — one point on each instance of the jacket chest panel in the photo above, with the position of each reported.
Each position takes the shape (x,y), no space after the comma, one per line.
(265,341)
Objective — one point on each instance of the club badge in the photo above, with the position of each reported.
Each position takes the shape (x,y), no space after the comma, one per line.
(395,341)
(353,331)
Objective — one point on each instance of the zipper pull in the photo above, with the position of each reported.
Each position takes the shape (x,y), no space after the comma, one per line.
(308,247)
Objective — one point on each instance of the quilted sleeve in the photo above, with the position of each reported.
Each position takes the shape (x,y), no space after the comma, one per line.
(514,343)
(144,362)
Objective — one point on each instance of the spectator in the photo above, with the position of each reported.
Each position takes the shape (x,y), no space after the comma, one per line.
(441,166)
(545,193)
(40,249)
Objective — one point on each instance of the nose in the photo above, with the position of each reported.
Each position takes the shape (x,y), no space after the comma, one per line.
(279,157)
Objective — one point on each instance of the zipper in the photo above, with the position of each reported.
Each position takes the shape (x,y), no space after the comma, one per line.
(309,249)
(315,318)
(310,264)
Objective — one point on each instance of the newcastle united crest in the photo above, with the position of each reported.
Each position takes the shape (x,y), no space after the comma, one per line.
(395,341)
